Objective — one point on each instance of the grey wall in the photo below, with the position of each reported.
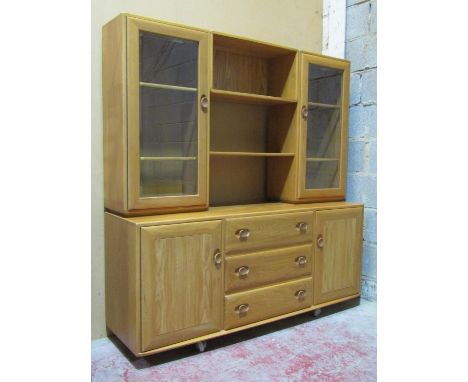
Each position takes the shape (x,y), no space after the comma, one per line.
(361,50)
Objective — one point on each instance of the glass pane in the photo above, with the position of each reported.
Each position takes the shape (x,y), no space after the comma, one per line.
(323,128)
(324,85)
(168,141)
(168,60)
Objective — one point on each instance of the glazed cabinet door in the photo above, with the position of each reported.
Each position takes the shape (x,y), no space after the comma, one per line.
(338,246)
(181,282)
(167,82)
(323,128)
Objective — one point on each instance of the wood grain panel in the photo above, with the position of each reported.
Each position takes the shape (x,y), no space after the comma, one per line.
(267,302)
(122,269)
(268,231)
(114,114)
(182,288)
(338,263)
(266,267)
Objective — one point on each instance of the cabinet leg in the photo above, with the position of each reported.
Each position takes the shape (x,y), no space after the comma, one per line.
(317,312)
(201,346)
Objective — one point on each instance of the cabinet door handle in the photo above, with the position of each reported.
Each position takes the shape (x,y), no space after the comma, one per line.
(204,103)
(320,241)
(243,271)
(301,260)
(217,257)
(300,294)
(304,113)
(302,227)
(242,308)
(243,234)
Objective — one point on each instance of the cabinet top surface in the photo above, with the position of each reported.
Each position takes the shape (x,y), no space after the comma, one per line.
(234,211)
(223,35)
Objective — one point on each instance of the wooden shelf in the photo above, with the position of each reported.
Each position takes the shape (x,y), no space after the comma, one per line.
(322,159)
(167,158)
(167,87)
(249,98)
(249,154)
(323,105)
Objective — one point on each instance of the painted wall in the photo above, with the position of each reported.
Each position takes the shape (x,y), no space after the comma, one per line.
(361,50)
(297,24)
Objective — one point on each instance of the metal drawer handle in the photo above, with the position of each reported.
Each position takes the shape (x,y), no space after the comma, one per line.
(243,234)
(320,241)
(300,294)
(243,271)
(217,257)
(204,103)
(301,260)
(302,227)
(304,113)
(242,308)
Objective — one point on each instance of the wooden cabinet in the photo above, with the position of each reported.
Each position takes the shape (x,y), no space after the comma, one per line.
(324,128)
(214,145)
(338,245)
(155,119)
(181,278)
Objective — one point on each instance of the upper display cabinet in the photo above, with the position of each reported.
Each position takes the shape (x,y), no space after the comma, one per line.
(323,131)
(194,118)
(155,115)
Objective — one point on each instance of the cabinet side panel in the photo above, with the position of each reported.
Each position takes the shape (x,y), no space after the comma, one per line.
(114,114)
(122,280)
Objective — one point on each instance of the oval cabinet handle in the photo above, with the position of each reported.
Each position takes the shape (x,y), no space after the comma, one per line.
(243,271)
(204,103)
(242,308)
(217,257)
(320,241)
(304,113)
(243,234)
(301,260)
(300,294)
(302,227)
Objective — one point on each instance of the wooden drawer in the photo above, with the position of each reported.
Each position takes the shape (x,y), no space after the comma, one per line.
(268,266)
(267,231)
(259,304)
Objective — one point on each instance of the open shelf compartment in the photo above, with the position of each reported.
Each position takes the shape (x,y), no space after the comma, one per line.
(251,67)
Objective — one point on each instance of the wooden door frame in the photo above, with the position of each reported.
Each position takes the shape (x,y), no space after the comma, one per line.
(135,201)
(324,193)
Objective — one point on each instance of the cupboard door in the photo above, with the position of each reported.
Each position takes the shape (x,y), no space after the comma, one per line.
(181,282)
(338,246)
(167,125)
(323,151)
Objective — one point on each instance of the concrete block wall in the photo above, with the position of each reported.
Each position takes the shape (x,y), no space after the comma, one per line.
(361,50)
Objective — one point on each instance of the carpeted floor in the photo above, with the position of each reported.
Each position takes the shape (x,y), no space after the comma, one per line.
(340,345)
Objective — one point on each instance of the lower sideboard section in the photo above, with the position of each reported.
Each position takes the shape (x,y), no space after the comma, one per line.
(169,282)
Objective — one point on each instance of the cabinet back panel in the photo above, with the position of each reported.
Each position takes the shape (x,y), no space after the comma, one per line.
(238,127)
(237,180)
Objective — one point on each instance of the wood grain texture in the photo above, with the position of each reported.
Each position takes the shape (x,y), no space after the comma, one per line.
(135,201)
(182,288)
(114,114)
(338,264)
(268,231)
(266,267)
(267,302)
(325,193)
(122,269)
(245,210)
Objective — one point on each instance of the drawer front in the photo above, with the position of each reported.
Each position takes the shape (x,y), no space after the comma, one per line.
(268,231)
(268,266)
(246,307)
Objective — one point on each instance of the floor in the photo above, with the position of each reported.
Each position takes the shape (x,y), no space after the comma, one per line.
(339,345)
